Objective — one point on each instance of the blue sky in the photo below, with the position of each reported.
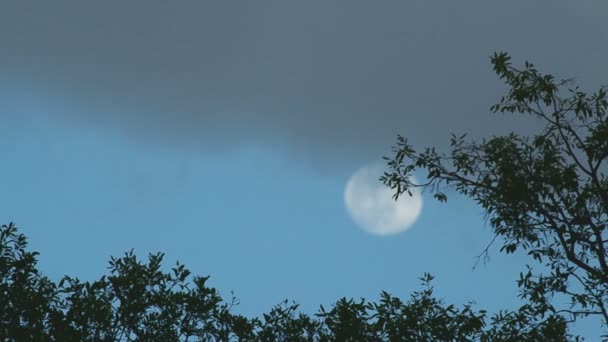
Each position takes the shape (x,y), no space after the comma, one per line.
(223,134)
(263,225)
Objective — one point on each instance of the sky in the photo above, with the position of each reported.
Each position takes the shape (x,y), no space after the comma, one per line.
(224,134)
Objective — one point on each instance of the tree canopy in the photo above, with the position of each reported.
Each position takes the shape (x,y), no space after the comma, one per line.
(138,301)
(546,195)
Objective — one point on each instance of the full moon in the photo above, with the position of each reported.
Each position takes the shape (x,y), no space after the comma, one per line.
(372,207)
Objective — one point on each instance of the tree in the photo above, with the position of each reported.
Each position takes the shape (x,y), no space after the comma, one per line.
(137,301)
(546,195)
(25,295)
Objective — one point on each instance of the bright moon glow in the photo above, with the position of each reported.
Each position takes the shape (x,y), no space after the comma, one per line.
(371,205)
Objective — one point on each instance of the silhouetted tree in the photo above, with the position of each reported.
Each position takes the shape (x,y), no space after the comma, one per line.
(25,295)
(137,301)
(546,194)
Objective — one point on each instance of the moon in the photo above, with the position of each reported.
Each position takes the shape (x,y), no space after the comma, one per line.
(372,207)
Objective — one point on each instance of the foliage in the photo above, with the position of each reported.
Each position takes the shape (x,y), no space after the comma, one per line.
(25,295)
(137,301)
(546,195)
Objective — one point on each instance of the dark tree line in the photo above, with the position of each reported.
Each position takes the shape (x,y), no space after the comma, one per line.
(137,301)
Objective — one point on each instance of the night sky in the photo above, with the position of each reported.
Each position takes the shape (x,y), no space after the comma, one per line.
(224,133)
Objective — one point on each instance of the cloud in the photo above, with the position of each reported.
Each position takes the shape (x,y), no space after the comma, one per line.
(327,81)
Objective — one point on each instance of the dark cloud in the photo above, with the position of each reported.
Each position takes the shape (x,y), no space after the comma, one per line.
(321,79)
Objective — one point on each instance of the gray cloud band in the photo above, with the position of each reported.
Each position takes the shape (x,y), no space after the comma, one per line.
(328,80)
